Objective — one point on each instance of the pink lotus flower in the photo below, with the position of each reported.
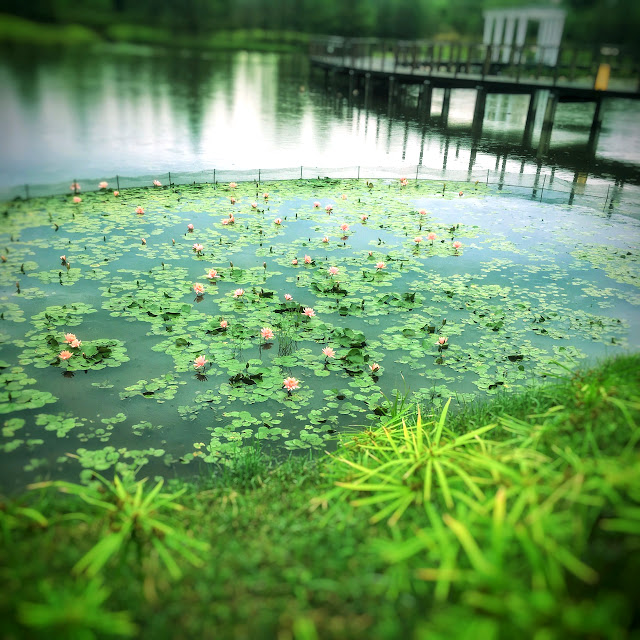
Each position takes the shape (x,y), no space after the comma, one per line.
(288,296)
(316,204)
(65,355)
(442,340)
(460,193)
(254,205)
(103,185)
(139,210)
(74,186)
(266,333)
(63,259)
(238,293)
(333,271)
(422,212)
(198,248)
(344,227)
(294,261)
(309,312)
(325,239)
(198,289)
(432,237)
(77,199)
(199,362)
(329,352)
(374,366)
(143,241)
(233,200)
(212,274)
(157,183)
(329,208)
(457,245)
(226,220)
(380,265)
(190,227)
(265,196)
(69,337)
(75,343)
(290,384)
(223,324)
(232,185)
(364,217)
(418,239)
(278,221)
(307,260)
(403,182)
(344,196)
(116,193)
(370,253)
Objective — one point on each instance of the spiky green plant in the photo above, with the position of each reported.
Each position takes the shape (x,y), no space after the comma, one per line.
(129,514)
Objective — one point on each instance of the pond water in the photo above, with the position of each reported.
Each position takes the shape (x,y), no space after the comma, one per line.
(532,288)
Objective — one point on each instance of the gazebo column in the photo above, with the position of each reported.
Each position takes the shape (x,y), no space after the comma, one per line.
(521,35)
(497,38)
(508,39)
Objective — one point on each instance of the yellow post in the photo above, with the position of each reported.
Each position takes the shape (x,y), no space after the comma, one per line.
(602,79)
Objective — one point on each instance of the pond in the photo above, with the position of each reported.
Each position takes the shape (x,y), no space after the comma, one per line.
(352,293)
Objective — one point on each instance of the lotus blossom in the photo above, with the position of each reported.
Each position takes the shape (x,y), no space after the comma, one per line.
(290,384)
(213,274)
(370,253)
(307,260)
(4,259)
(288,296)
(74,186)
(77,199)
(364,217)
(198,289)
(333,271)
(344,227)
(432,237)
(254,205)
(344,196)
(116,193)
(65,355)
(309,312)
(232,185)
(329,208)
(69,337)
(157,183)
(278,221)
(238,293)
(325,239)
(294,261)
(329,352)
(198,248)
(233,200)
(442,340)
(223,324)
(418,239)
(103,185)
(460,193)
(374,366)
(190,227)
(75,343)
(143,240)
(139,210)
(199,362)
(265,196)
(266,333)
(316,204)
(63,259)
(457,245)
(380,265)
(226,220)
(422,212)
(403,182)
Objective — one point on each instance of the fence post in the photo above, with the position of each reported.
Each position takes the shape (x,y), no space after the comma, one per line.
(358,173)
(258,176)
(301,172)
(118,182)
(169,178)
(487,177)
(214,180)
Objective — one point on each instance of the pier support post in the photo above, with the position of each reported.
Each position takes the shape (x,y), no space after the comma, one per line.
(424,101)
(596,125)
(478,112)
(547,125)
(367,88)
(534,99)
(444,115)
(351,83)
(392,90)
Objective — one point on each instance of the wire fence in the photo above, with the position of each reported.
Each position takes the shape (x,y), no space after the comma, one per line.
(542,185)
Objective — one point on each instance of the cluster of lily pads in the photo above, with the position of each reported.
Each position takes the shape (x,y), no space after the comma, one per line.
(207,316)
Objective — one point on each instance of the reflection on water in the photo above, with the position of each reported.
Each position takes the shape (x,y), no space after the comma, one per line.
(89,114)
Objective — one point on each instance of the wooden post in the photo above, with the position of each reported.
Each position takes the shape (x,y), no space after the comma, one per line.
(367,88)
(478,112)
(596,125)
(547,125)
(444,114)
(425,99)
(392,83)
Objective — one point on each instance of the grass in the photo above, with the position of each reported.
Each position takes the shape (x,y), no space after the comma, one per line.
(517,517)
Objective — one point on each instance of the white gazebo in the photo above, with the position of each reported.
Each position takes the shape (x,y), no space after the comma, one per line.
(506,28)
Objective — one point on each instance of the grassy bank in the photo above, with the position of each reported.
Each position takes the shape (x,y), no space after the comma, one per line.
(518,517)
(15,30)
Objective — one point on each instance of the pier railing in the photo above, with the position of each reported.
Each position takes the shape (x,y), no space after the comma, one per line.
(544,185)
(571,66)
